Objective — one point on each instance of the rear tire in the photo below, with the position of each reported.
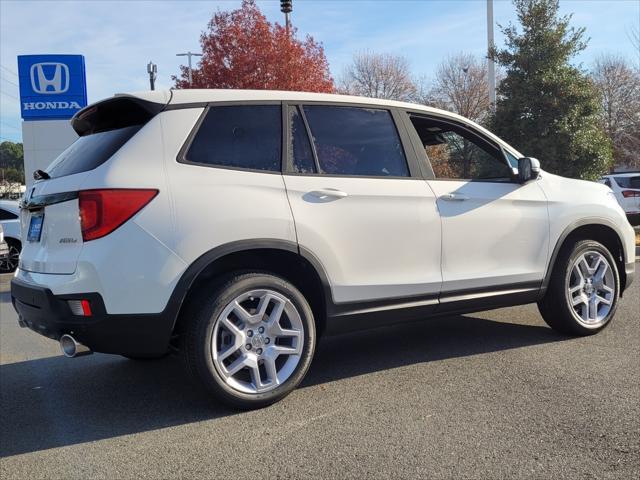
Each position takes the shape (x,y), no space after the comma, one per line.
(250,339)
(582,295)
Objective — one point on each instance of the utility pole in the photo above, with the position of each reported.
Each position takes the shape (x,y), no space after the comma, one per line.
(491,70)
(152,70)
(189,55)
(286,6)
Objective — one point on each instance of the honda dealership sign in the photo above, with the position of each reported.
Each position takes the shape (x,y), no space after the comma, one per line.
(51,86)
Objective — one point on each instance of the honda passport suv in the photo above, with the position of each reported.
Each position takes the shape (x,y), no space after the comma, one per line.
(237,227)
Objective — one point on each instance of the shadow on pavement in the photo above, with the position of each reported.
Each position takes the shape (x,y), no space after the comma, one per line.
(55,401)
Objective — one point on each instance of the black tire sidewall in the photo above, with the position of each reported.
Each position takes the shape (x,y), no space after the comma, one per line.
(223,295)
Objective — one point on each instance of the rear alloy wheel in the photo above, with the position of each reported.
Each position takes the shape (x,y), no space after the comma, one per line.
(11,263)
(252,341)
(582,295)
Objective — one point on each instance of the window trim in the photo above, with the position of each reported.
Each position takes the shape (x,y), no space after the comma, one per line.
(412,163)
(181,157)
(474,132)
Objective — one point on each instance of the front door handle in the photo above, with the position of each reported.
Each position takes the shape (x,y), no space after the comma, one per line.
(454,197)
(324,193)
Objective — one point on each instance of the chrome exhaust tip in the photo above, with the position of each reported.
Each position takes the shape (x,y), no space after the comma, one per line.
(71,348)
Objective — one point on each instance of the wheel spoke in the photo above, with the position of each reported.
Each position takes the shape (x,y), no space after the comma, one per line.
(255,376)
(579,300)
(583,267)
(270,367)
(231,327)
(593,309)
(237,365)
(241,313)
(604,300)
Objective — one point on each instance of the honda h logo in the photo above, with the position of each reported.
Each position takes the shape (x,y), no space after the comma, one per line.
(49,77)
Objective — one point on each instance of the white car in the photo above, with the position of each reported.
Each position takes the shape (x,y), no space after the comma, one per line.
(237,227)
(10,222)
(4,248)
(626,188)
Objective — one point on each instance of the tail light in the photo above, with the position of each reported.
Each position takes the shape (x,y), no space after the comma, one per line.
(630,193)
(102,211)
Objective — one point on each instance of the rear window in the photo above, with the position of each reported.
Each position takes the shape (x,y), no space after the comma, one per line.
(6,215)
(90,152)
(242,136)
(628,182)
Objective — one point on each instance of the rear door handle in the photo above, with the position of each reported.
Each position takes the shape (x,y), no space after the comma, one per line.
(454,197)
(329,193)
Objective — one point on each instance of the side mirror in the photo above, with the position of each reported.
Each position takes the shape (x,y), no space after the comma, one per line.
(528,169)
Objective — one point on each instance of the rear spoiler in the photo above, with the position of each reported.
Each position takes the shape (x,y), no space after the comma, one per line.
(112,113)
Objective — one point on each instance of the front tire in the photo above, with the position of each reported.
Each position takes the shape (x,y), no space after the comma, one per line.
(583,293)
(250,340)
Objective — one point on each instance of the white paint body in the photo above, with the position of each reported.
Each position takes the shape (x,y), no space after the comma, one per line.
(385,238)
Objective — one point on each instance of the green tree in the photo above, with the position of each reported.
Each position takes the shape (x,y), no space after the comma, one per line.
(11,162)
(547,107)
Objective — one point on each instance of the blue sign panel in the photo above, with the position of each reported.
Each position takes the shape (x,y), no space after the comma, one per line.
(51,86)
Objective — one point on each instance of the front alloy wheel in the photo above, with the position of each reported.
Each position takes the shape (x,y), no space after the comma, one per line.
(591,288)
(582,295)
(250,340)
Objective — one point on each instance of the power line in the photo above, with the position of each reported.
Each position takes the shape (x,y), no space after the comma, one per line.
(15,127)
(9,70)
(9,81)
(8,94)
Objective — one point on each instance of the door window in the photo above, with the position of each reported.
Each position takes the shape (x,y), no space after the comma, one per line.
(355,141)
(458,153)
(300,153)
(239,136)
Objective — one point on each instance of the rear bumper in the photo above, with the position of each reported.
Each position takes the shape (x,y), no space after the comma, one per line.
(4,251)
(634,219)
(49,315)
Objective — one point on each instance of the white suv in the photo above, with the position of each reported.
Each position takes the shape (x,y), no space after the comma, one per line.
(626,188)
(236,227)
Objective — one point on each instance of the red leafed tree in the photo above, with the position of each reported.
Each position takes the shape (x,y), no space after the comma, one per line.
(241,49)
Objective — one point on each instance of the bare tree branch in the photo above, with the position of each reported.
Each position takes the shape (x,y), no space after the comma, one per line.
(619,86)
(379,76)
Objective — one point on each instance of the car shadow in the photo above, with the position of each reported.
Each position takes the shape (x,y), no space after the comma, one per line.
(56,401)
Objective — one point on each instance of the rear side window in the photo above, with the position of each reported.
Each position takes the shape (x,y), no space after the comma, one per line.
(356,141)
(239,136)
(628,182)
(6,215)
(90,151)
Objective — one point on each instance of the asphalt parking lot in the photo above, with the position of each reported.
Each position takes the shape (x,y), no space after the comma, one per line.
(490,395)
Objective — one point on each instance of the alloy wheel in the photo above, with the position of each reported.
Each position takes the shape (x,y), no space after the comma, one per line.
(591,288)
(257,341)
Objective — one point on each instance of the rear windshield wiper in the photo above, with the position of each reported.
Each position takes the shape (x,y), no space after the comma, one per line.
(41,175)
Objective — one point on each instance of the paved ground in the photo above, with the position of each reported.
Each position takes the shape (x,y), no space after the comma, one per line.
(492,395)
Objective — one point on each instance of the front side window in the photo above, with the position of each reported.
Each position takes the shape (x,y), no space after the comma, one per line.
(355,141)
(458,154)
(239,136)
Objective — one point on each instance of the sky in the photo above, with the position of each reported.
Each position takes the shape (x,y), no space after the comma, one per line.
(119,38)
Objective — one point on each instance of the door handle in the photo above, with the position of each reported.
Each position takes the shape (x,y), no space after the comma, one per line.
(454,197)
(329,192)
